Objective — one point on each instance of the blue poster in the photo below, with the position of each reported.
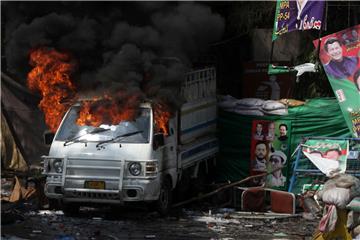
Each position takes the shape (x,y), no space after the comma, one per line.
(297,15)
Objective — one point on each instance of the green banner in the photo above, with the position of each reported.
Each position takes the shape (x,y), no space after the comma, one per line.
(272,69)
(276,32)
(328,155)
(339,55)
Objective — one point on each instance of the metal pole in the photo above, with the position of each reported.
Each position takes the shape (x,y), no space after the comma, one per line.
(293,177)
(349,14)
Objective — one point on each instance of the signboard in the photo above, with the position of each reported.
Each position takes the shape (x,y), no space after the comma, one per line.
(270,145)
(339,55)
(297,15)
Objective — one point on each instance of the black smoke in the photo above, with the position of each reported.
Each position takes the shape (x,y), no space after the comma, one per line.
(139,47)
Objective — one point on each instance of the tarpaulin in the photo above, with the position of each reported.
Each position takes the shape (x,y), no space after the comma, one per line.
(25,120)
(11,156)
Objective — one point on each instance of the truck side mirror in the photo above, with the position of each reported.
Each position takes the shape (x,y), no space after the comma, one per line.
(158,140)
(48,137)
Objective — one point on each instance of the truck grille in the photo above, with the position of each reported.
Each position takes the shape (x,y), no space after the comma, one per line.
(93,195)
(79,170)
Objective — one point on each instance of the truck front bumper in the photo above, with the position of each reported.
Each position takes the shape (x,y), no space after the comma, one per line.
(133,190)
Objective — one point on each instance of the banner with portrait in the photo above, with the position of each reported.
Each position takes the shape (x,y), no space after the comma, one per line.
(270,146)
(339,55)
(329,156)
(297,15)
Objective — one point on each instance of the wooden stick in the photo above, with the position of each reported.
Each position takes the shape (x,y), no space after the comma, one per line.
(224,187)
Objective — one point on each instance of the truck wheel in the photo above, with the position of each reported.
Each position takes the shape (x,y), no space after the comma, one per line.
(54,204)
(164,202)
(182,188)
(70,209)
(198,185)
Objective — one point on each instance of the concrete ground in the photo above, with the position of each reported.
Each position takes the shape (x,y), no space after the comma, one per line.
(138,223)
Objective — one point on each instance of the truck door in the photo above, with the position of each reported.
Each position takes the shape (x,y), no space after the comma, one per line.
(170,146)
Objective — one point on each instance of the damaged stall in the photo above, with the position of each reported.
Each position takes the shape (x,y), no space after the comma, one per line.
(325,177)
(238,147)
(303,177)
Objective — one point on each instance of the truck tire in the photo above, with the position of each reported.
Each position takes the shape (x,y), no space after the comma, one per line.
(163,204)
(54,204)
(198,185)
(70,209)
(182,192)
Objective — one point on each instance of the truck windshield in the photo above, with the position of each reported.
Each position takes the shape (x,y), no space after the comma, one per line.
(70,130)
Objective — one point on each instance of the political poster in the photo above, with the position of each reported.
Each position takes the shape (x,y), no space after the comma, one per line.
(297,15)
(339,55)
(270,145)
(328,155)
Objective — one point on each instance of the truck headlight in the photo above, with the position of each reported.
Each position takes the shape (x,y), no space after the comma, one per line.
(151,168)
(135,168)
(46,166)
(57,165)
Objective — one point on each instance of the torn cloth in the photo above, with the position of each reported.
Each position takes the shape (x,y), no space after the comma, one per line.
(328,221)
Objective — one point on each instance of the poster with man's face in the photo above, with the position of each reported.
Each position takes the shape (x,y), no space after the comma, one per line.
(270,145)
(339,55)
(297,15)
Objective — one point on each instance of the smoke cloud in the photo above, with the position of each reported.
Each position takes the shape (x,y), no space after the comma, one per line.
(142,48)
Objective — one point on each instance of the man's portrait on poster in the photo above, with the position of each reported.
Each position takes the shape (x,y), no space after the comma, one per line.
(339,65)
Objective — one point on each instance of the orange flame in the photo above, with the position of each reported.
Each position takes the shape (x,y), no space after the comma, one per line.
(161,116)
(106,110)
(51,77)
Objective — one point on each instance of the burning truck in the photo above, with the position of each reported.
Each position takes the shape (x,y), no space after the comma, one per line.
(126,125)
(138,159)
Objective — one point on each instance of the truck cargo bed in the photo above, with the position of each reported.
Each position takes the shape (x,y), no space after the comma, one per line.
(197,119)
(198,150)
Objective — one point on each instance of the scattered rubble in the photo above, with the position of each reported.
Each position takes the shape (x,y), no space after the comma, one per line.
(220,223)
